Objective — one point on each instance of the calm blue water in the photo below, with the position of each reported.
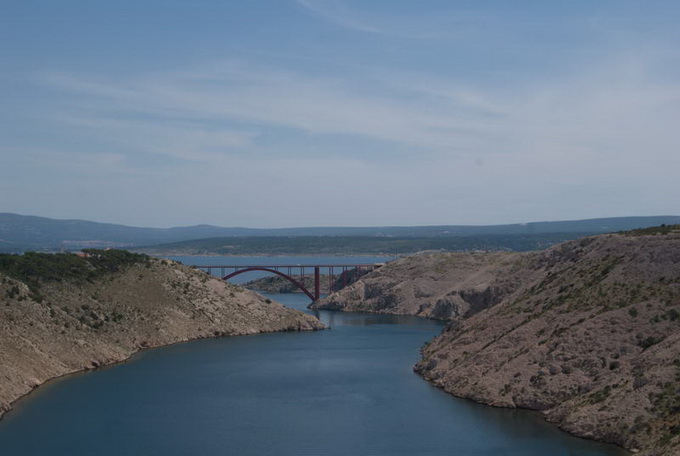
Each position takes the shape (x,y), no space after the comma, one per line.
(345,391)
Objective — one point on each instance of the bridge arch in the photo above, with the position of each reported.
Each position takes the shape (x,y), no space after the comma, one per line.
(274,271)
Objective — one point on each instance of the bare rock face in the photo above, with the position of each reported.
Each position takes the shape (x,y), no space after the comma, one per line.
(441,286)
(63,327)
(587,332)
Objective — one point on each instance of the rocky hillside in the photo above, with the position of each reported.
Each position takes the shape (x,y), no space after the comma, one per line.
(441,286)
(587,332)
(61,314)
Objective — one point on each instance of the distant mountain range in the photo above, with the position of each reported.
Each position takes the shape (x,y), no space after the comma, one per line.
(20,233)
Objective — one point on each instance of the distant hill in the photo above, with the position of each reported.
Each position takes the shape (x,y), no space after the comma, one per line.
(21,233)
(356,245)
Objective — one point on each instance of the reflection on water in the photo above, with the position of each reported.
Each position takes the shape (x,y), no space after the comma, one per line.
(331,318)
(357,319)
(346,391)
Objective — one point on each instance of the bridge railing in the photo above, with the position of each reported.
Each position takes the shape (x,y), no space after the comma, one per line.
(338,275)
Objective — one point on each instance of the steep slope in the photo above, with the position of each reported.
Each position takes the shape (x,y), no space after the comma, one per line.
(587,332)
(440,286)
(52,325)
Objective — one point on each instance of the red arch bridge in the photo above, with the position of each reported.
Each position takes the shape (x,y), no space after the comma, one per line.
(338,275)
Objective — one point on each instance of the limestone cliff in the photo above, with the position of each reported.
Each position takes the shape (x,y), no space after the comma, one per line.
(588,332)
(52,325)
(440,286)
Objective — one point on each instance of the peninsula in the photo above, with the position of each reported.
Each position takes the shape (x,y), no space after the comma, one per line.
(587,332)
(64,313)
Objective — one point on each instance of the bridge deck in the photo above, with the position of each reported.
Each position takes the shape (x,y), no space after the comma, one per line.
(231,266)
(301,273)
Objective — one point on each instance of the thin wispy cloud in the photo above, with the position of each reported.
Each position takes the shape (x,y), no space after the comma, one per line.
(314,106)
(589,108)
(339,13)
(159,135)
(447,23)
(489,113)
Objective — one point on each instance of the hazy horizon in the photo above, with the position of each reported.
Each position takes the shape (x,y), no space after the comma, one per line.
(333,226)
(313,113)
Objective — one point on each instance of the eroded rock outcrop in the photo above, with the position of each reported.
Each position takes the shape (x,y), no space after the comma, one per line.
(441,286)
(587,332)
(57,326)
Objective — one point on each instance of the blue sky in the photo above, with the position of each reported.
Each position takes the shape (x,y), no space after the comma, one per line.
(339,112)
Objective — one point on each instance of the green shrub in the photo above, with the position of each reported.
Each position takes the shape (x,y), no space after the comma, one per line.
(649,341)
(34,268)
(654,230)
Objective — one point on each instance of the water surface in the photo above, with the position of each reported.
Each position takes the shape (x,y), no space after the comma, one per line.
(349,390)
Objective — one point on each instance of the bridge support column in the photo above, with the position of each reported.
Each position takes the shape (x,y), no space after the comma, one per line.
(317,283)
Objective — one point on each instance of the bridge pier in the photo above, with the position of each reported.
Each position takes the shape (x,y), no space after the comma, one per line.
(275,269)
(317,283)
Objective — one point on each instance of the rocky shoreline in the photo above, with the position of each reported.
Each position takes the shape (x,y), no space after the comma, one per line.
(587,332)
(63,326)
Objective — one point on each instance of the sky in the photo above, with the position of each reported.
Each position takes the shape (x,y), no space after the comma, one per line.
(282,113)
